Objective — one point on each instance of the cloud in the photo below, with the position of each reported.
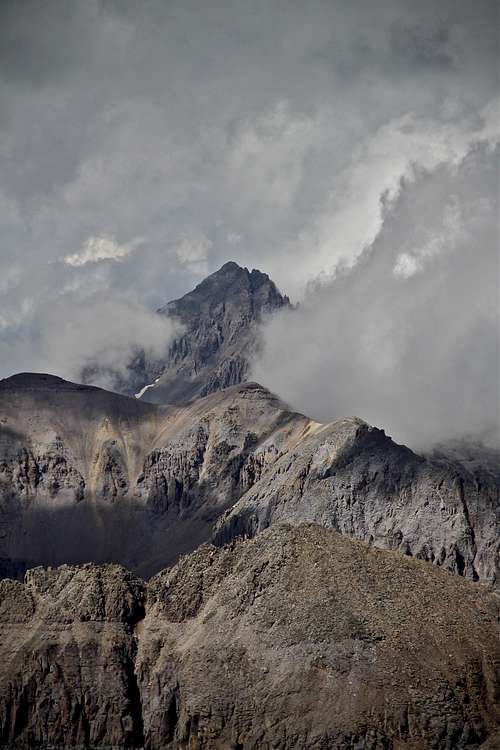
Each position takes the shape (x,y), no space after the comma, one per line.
(95,249)
(268,151)
(234,131)
(192,252)
(106,334)
(394,155)
(452,232)
(407,336)
(10,278)
(188,120)
(66,338)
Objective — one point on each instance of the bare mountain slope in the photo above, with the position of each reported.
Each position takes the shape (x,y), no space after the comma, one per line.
(90,475)
(353,478)
(299,638)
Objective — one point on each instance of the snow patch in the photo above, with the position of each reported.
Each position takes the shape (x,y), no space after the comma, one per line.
(141,393)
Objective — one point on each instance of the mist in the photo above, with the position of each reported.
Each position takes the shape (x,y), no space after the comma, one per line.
(101,333)
(406,336)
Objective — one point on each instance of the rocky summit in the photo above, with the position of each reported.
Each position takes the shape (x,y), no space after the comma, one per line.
(220,333)
(299,638)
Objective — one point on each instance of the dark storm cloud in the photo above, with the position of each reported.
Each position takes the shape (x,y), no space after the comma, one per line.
(152,141)
(44,42)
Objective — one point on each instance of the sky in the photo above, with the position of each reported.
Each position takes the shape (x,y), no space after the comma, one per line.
(349,150)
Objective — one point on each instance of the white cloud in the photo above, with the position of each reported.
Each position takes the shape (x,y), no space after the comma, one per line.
(407,336)
(233,238)
(192,252)
(437,239)
(395,155)
(103,331)
(265,161)
(10,278)
(406,265)
(107,333)
(98,248)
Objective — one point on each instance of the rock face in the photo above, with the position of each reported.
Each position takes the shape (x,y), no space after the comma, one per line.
(299,638)
(353,478)
(74,685)
(68,455)
(90,475)
(220,322)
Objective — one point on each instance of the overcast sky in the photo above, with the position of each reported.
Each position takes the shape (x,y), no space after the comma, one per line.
(350,145)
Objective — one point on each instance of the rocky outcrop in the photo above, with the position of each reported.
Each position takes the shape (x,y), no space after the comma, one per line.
(351,477)
(219,323)
(90,475)
(297,638)
(67,665)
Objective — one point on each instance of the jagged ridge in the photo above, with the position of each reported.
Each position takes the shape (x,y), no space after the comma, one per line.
(89,475)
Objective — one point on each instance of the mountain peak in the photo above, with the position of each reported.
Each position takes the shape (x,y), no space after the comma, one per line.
(230,266)
(220,319)
(231,281)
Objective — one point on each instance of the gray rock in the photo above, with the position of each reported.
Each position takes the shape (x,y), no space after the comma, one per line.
(220,322)
(67,659)
(351,477)
(90,475)
(298,638)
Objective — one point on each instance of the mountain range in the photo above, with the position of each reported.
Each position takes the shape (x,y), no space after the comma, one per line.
(310,585)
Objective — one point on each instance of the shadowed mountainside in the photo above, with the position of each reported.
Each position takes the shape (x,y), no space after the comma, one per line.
(90,475)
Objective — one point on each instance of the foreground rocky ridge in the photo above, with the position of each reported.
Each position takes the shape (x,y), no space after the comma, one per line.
(90,475)
(297,638)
